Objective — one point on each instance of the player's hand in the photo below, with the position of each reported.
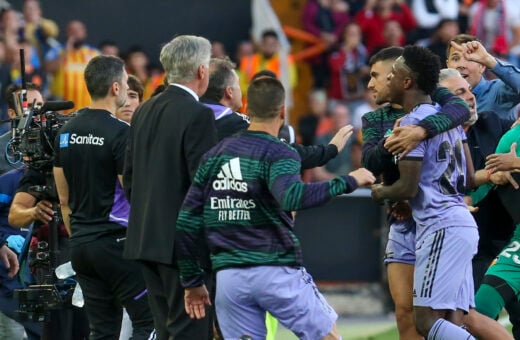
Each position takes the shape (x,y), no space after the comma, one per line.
(342,136)
(363,177)
(502,161)
(195,301)
(376,193)
(401,211)
(404,139)
(475,51)
(15,242)
(10,260)
(43,212)
(503,178)
(469,204)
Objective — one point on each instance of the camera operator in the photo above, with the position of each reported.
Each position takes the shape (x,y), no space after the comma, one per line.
(26,209)
(14,236)
(33,96)
(88,164)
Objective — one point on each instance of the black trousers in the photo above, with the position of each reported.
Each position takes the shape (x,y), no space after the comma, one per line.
(166,297)
(110,282)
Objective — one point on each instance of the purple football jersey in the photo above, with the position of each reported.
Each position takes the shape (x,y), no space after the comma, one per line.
(439,203)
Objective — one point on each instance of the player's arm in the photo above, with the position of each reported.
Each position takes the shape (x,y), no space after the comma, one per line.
(505,161)
(405,187)
(454,112)
(317,155)
(63,193)
(189,238)
(292,194)
(374,156)
(473,180)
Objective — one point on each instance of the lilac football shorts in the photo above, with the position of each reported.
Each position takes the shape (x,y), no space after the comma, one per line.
(400,247)
(289,294)
(443,277)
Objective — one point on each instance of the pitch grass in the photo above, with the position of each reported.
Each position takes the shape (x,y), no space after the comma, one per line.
(383,331)
(353,332)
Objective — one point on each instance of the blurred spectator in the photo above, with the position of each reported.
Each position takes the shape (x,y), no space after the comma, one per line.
(5,81)
(393,36)
(218,50)
(440,39)
(66,65)
(10,25)
(497,24)
(355,6)
(430,13)
(446,30)
(109,47)
(38,31)
(316,122)
(136,62)
(342,164)
(33,74)
(244,48)
(348,66)
(266,59)
(325,19)
(376,13)
(356,149)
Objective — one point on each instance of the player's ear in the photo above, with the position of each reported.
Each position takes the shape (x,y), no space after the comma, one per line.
(408,82)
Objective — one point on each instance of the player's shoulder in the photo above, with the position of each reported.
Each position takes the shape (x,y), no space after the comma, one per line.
(383,113)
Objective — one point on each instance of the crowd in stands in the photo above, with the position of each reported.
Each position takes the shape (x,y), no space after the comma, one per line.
(354,30)
(351,30)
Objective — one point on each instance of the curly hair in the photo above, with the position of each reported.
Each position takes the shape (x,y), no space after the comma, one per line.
(425,65)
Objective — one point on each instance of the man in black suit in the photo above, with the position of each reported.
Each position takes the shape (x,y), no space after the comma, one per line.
(168,136)
(494,223)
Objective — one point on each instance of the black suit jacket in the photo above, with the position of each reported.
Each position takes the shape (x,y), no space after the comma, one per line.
(493,220)
(169,134)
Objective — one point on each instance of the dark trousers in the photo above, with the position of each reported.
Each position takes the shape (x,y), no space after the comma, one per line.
(108,283)
(166,297)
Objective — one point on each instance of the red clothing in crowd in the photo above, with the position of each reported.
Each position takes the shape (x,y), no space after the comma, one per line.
(312,24)
(372,24)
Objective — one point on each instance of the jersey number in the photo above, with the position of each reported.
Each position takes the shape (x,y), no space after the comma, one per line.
(454,154)
(512,248)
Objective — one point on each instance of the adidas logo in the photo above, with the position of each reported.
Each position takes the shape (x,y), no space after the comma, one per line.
(230,177)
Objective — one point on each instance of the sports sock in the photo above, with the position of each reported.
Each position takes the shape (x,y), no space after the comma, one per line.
(445,330)
(488,301)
